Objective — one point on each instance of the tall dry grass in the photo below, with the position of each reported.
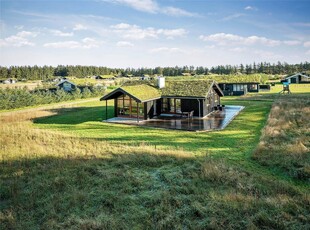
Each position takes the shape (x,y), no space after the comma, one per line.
(19,139)
(285,140)
(52,180)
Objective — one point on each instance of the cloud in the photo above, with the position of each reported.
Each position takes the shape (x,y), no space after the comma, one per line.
(79,27)
(19,40)
(172,11)
(165,50)
(224,39)
(137,33)
(124,44)
(148,6)
(61,34)
(86,43)
(151,6)
(301,24)
(20,27)
(250,8)
(233,16)
(292,43)
(308,52)
(307,44)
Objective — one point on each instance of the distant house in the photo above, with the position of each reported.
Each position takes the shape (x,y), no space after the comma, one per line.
(142,100)
(239,88)
(66,85)
(98,77)
(298,78)
(10,81)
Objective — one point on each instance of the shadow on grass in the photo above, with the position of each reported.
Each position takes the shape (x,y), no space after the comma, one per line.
(150,191)
(78,115)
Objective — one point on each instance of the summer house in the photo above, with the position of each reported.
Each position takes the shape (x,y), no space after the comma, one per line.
(147,99)
(298,78)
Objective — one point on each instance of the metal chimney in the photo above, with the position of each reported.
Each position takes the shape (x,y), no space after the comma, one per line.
(161,82)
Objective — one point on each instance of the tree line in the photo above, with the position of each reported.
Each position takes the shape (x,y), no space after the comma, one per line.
(49,72)
(22,97)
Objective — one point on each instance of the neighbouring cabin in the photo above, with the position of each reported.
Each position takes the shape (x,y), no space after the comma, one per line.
(237,89)
(297,79)
(9,81)
(66,85)
(178,98)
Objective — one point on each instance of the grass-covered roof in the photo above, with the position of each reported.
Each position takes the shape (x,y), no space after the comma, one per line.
(238,79)
(192,88)
(142,92)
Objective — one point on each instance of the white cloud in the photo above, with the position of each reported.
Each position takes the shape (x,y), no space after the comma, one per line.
(165,50)
(124,44)
(301,24)
(86,43)
(79,27)
(250,8)
(18,40)
(137,33)
(123,26)
(151,6)
(308,52)
(61,34)
(233,16)
(224,39)
(307,44)
(172,11)
(292,43)
(19,27)
(238,49)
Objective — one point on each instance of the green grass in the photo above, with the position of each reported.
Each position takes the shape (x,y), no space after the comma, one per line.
(69,170)
(86,122)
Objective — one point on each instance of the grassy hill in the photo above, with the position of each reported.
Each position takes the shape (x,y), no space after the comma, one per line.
(62,168)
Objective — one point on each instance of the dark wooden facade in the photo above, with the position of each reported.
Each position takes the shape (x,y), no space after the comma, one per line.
(131,103)
(237,89)
(126,106)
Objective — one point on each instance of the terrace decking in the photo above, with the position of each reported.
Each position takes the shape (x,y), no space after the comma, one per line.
(217,120)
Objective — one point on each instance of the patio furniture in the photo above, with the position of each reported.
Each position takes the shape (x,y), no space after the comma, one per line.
(189,114)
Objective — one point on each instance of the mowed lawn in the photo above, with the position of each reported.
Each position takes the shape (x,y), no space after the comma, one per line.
(237,140)
(70,170)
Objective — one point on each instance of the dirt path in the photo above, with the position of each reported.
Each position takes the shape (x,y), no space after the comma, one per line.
(52,106)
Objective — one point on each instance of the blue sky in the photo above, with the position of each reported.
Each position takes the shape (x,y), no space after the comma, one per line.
(150,33)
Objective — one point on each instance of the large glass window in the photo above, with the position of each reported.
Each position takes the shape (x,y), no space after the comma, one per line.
(127,107)
(237,87)
(171,105)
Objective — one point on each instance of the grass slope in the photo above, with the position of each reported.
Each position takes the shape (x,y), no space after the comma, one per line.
(71,171)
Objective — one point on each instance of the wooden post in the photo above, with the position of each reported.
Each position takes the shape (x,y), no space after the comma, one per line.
(138,112)
(106,110)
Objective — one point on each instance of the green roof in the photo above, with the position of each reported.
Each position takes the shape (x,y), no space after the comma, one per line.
(192,88)
(237,79)
(142,92)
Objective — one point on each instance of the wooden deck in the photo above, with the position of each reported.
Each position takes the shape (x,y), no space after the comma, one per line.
(217,120)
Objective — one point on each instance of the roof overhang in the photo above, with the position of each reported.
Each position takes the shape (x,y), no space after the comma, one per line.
(64,82)
(183,97)
(241,83)
(296,75)
(216,87)
(119,91)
